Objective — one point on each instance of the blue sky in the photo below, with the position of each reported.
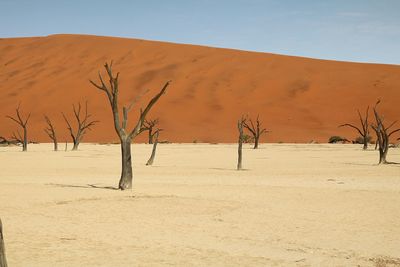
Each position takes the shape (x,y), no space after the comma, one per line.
(352,30)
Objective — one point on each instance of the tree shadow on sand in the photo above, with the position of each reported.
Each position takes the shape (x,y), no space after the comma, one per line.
(85,186)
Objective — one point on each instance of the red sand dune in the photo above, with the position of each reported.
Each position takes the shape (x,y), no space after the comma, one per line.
(298,99)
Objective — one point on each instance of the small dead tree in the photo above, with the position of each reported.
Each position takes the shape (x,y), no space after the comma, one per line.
(363,130)
(153,152)
(383,134)
(240,126)
(50,130)
(148,125)
(126,136)
(3,261)
(255,130)
(23,123)
(84,124)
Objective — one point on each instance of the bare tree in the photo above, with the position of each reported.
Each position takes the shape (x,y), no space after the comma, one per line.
(148,125)
(153,152)
(255,130)
(126,136)
(383,134)
(50,130)
(84,124)
(3,261)
(23,123)
(240,126)
(363,130)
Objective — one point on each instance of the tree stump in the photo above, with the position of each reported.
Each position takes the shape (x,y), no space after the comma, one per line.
(3,262)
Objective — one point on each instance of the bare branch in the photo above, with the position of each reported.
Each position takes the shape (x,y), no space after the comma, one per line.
(143,113)
(83,124)
(352,126)
(394,131)
(18,138)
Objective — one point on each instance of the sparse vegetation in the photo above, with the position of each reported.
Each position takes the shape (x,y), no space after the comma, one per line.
(360,140)
(247,139)
(337,139)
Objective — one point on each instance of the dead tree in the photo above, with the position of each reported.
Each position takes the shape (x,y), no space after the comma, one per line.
(148,125)
(383,134)
(50,130)
(84,124)
(363,130)
(153,152)
(23,123)
(3,261)
(240,126)
(255,130)
(126,136)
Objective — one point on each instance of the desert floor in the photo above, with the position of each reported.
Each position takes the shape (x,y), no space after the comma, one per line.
(294,205)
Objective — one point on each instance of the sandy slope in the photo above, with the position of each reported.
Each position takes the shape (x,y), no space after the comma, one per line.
(295,205)
(298,99)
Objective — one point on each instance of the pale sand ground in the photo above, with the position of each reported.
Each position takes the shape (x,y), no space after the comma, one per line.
(295,205)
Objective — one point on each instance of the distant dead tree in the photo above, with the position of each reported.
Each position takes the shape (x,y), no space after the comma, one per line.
(383,134)
(240,126)
(125,135)
(255,130)
(363,130)
(153,152)
(50,130)
(3,261)
(84,124)
(23,123)
(148,125)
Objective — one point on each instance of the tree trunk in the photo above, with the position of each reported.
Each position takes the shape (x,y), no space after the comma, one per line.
(365,147)
(239,165)
(75,147)
(240,128)
(126,175)
(55,145)
(153,152)
(256,141)
(25,142)
(383,153)
(3,261)
(150,136)
(382,158)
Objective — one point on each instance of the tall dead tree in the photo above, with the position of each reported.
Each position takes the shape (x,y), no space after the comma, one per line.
(153,152)
(383,134)
(240,126)
(126,136)
(83,124)
(50,130)
(23,123)
(3,261)
(363,130)
(148,125)
(255,130)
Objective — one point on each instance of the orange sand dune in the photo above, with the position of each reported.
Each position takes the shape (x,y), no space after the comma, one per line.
(298,99)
